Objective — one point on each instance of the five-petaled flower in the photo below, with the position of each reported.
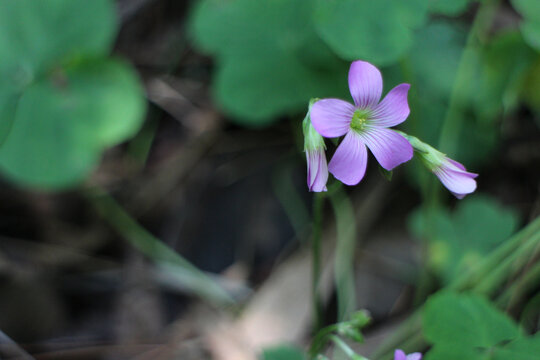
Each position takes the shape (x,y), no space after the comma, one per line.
(364,124)
(400,355)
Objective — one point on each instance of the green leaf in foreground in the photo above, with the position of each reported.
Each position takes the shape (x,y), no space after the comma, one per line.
(526,348)
(63,123)
(376,31)
(466,321)
(62,100)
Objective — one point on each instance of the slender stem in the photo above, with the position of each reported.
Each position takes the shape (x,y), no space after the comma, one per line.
(449,135)
(164,257)
(345,250)
(318,203)
(346,348)
(514,293)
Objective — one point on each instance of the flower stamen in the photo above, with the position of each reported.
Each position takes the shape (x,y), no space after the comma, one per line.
(359,119)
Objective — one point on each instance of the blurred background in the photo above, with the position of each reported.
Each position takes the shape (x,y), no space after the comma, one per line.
(154,201)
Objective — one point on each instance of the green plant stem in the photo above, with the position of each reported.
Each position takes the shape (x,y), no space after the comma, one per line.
(520,287)
(453,122)
(497,256)
(166,258)
(318,203)
(346,348)
(345,250)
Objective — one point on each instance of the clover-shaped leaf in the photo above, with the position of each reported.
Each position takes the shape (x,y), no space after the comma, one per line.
(269,59)
(62,100)
(376,31)
(450,8)
(530,26)
(459,239)
(466,321)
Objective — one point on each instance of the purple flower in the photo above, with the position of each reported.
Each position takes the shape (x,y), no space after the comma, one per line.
(455,177)
(364,124)
(400,355)
(452,174)
(317,168)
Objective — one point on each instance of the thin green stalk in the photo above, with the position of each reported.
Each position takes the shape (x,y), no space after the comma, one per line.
(345,250)
(507,268)
(453,122)
(342,345)
(520,288)
(497,256)
(166,258)
(318,203)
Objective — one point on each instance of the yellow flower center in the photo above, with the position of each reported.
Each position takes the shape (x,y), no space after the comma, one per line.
(359,120)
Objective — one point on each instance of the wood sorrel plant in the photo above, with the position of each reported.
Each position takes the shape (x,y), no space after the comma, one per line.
(366,124)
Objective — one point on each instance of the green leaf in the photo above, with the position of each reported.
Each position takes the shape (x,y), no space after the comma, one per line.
(466,321)
(64,122)
(449,8)
(38,35)
(283,353)
(459,240)
(530,26)
(526,348)
(376,31)
(528,8)
(62,102)
(445,351)
(270,60)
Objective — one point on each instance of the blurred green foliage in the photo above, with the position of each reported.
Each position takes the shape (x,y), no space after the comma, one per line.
(530,26)
(283,352)
(63,100)
(469,327)
(273,56)
(268,55)
(375,31)
(458,240)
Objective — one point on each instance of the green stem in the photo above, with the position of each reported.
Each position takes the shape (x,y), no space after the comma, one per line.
(346,348)
(318,203)
(345,250)
(453,122)
(520,288)
(166,258)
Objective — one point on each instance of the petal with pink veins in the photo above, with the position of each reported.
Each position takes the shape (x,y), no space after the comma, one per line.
(350,159)
(389,148)
(394,109)
(365,84)
(331,117)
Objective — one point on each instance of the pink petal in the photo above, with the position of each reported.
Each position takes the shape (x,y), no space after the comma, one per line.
(456,164)
(317,169)
(399,355)
(390,148)
(365,84)
(414,356)
(350,159)
(331,117)
(394,108)
(459,182)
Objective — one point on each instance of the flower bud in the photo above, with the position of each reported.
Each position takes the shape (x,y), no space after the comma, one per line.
(314,147)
